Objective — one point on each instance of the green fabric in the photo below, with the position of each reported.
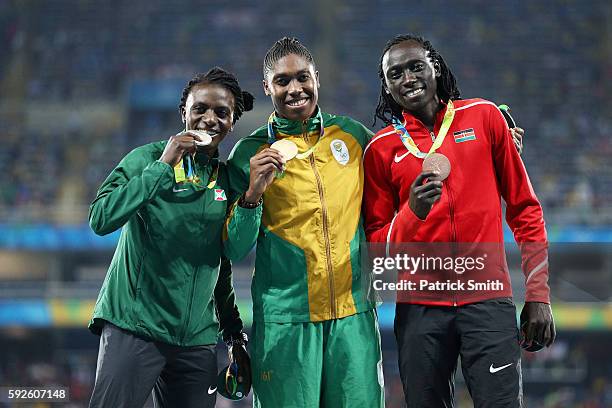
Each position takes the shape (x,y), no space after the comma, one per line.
(283,297)
(362,134)
(331,364)
(292,127)
(166,281)
(361,283)
(278,296)
(242,225)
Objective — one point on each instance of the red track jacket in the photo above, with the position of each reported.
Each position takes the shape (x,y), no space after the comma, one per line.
(485,167)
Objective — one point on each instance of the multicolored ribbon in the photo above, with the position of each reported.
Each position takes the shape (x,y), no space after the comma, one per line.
(407,140)
(303,155)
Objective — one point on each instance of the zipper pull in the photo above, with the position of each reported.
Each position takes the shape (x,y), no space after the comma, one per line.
(433,137)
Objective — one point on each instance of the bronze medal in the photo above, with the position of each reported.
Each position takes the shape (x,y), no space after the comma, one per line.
(439,163)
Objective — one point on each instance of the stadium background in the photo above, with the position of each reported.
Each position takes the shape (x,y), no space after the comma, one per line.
(83,82)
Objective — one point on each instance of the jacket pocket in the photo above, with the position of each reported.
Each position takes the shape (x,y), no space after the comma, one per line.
(136,311)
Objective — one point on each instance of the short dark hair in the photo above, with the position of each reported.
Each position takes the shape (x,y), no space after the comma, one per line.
(282,48)
(243,100)
(447,88)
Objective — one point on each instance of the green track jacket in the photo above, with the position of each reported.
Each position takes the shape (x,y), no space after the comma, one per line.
(308,260)
(166,281)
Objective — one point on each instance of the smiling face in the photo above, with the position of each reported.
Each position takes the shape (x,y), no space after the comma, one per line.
(210,107)
(293,85)
(410,77)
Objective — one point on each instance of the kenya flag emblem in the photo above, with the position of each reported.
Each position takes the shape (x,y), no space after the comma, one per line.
(464,135)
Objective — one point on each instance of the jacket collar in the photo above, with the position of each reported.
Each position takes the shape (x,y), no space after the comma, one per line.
(203,159)
(411,122)
(282,126)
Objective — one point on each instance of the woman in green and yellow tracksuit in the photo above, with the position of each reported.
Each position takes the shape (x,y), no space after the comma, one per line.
(315,340)
(166,284)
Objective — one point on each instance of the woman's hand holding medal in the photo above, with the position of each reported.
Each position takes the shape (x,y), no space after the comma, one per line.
(263,166)
(183,143)
(423,196)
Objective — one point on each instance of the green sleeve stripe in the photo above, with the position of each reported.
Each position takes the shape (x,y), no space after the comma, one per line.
(362,134)
(238,162)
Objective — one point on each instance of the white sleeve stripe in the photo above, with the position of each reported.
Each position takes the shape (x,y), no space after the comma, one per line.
(384,134)
(389,235)
(474,104)
(484,103)
(376,138)
(535,270)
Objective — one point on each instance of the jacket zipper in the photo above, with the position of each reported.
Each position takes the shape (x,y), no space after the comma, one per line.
(451,211)
(192,289)
(330,272)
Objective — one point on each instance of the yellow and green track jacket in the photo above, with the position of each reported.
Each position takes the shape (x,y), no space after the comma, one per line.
(308,265)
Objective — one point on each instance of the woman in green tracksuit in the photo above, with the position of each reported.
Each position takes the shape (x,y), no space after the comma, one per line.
(315,340)
(168,286)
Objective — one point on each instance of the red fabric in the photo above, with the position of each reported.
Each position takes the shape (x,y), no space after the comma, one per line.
(483,171)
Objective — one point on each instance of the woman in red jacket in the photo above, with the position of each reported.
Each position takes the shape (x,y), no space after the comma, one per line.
(437,174)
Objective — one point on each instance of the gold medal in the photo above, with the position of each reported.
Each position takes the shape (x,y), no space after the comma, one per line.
(286,148)
(439,163)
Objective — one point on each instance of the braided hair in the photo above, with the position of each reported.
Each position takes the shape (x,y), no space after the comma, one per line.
(282,48)
(447,88)
(243,100)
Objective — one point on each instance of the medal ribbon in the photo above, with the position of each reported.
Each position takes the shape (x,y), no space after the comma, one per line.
(303,155)
(180,177)
(213,177)
(185,170)
(188,162)
(439,139)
